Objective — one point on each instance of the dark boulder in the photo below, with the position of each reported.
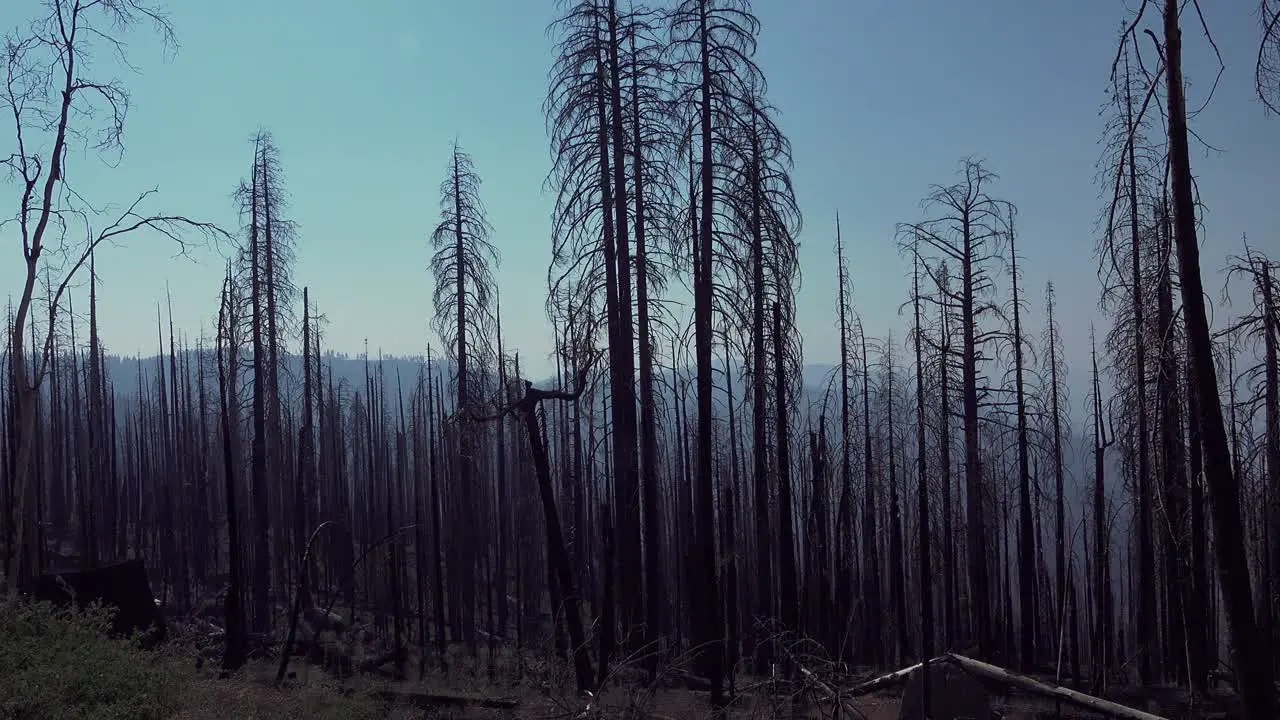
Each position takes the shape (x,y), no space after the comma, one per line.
(123,586)
(953,695)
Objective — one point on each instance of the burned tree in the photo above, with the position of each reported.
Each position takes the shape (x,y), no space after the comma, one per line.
(591,251)
(846,571)
(265,263)
(1248,647)
(227,350)
(760,250)
(744,223)
(968,228)
(1056,374)
(654,197)
(1126,255)
(925,545)
(462,266)
(1026,531)
(714,43)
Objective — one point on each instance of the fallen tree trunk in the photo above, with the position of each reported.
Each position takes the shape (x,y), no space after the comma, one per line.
(1005,677)
(894,678)
(428,701)
(1000,675)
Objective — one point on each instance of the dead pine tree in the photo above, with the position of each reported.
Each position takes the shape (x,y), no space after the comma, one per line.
(967,227)
(1126,254)
(226,349)
(946,357)
(718,92)
(1056,373)
(591,242)
(925,544)
(872,601)
(1026,532)
(1104,600)
(462,265)
(1261,325)
(654,143)
(265,261)
(765,223)
(896,565)
(846,570)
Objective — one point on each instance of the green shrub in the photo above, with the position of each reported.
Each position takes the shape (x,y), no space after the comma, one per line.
(60,663)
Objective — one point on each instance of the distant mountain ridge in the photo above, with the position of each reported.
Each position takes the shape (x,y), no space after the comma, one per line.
(817,380)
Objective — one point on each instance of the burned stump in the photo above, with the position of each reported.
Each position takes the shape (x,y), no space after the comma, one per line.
(953,695)
(123,586)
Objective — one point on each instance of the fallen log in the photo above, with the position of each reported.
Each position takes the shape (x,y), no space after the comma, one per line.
(894,678)
(427,701)
(1000,675)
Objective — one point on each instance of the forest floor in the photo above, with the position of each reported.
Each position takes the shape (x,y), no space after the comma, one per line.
(59,664)
(210,698)
(545,693)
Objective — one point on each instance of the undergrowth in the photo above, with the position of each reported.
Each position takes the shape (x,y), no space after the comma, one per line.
(60,664)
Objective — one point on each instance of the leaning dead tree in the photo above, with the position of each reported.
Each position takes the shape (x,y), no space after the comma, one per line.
(526,403)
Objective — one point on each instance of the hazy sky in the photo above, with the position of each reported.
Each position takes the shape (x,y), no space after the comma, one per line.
(880,98)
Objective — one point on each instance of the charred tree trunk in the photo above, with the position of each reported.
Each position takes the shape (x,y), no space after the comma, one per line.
(1253,667)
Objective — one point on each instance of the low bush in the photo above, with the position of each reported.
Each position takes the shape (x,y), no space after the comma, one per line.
(60,663)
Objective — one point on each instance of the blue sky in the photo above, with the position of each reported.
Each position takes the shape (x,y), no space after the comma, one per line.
(880,98)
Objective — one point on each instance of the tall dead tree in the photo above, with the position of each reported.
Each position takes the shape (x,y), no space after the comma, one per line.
(714,44)
(759,246)
(967,227)
(1027,580)
(264,264)
(462,266)
(845,535)
(872,601)
(925,548)
(1133,164)
(1056,373)
(591,242)
(227,348)
(1261,326)
(654,142)
(1104,614)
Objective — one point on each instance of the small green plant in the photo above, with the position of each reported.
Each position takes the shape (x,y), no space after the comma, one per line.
(60,663)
